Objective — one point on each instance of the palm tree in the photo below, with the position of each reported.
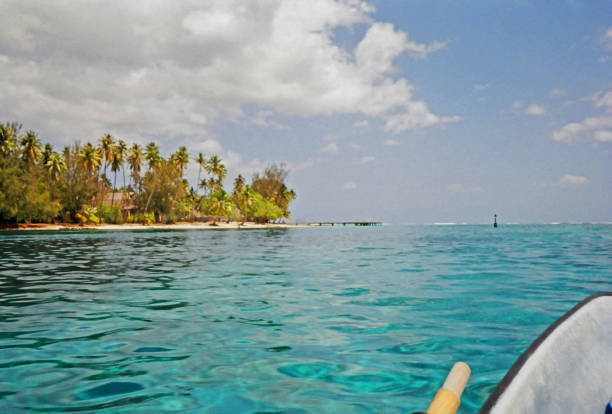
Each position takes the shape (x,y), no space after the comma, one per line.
(90,158)
(208,185)
(46,153)
(121,149)
(237,194)
(181,158)
(8,137)
(55,166)
(135,160)
(283,198)
(152,155)
(116,164)
(30,147)
(245,200)
(221,205)
(201,163)
(107,142)
(215,167)
(239,184)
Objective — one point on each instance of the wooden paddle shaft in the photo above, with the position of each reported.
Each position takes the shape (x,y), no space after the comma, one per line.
(448,397)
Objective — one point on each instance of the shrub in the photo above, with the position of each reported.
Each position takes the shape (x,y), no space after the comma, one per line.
(147,218)
(111,215)
(88,215)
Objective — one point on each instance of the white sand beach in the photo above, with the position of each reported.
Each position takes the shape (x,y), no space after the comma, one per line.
(176,226)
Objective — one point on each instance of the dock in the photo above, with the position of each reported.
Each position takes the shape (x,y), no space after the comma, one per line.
(349,223)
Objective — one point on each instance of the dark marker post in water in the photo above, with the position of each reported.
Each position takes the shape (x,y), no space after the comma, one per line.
(495,220)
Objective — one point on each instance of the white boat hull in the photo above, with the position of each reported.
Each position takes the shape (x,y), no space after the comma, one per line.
(568,369)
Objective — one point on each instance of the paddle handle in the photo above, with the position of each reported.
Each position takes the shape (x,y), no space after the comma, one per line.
(448,398)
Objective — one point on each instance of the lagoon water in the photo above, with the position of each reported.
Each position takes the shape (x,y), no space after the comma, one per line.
(304,320)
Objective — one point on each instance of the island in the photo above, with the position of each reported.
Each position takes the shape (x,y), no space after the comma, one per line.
(44,189)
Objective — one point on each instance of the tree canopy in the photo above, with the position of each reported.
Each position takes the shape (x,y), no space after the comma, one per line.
(38,184)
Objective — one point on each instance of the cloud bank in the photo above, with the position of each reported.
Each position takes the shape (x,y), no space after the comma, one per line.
(598,128)
(164,69)
(535,109)
(569,180)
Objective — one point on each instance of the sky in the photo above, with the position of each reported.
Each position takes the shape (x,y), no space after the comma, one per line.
(408,111)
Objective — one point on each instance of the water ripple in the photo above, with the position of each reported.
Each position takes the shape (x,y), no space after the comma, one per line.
(350,320)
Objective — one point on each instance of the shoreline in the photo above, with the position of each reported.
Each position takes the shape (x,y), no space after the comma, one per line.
(176,226)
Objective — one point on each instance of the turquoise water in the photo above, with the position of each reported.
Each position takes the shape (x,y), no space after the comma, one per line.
(304,320)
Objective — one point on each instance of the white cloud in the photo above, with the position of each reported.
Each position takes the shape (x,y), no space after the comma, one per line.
(361,124)
(331,148)
(569,180)
(234,162)
(607,38)
(367,159)
(604,100)
(207,147)
(212,23)
(575,131)
(174,69)
(391,142)
(482,86)
(355,146)
(349,185)
(557,93)
(603,136)
(416,115)
(535,109)
(598,128)
(517,104)
(262,118)
(422,50)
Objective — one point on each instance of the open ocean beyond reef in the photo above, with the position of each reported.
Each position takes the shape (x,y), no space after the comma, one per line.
(295,320)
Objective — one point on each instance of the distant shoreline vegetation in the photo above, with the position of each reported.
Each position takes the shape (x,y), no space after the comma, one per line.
(79,185)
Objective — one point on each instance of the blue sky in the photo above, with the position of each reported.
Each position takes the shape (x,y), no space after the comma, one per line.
(400,111)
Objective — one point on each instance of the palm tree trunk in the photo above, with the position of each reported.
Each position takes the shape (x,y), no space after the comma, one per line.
(148,201)
(114,186)
(198,183)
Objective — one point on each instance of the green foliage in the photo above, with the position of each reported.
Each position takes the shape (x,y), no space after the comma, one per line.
(54,165)
(255,207)
(10,188)
(76,185)
(9,135)
(38,205)
(142,219)
(271,185)
(30,147)
(152,155)
(181,158)
(184,208)
(24,193)
(41,185)
(110,214)
(88,215)
(218,204)
(135,160)
(264,209)
(162,190)
(90,158)
(214,167)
